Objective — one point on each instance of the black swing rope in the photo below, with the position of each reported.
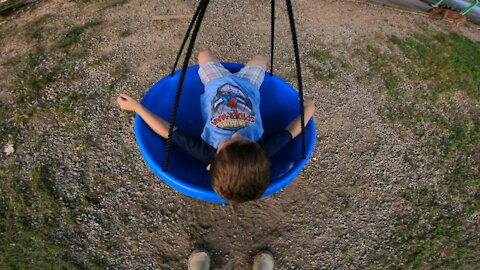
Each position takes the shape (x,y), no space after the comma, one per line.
(272,38)
(186,38)
(197,20)
(299,71)
(202,7)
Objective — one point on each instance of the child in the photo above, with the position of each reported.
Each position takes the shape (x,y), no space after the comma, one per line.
(232,141)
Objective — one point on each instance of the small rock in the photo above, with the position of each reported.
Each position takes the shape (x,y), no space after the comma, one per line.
(9,149)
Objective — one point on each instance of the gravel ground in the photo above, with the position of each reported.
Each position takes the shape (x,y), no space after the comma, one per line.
(339,208)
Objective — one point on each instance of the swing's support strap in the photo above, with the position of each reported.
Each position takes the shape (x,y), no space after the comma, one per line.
(187,34)
(272,38)
(299,71)
(198,17)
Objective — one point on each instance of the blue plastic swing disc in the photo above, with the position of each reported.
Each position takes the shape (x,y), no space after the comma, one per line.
(279,106)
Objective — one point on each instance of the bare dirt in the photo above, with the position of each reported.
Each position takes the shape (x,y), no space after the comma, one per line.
(339,208)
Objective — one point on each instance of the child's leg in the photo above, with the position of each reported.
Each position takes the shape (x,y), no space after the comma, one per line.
(254,70)
(205,57)
(210,68)
(258,60)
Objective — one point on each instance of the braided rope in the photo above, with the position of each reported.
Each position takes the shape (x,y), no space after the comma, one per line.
(299,71)
(202,8)
(272,39)
(192,22)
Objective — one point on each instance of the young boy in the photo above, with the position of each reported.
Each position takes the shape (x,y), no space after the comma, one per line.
(232,141)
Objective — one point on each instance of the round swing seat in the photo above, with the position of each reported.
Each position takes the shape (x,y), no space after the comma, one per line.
(279,106)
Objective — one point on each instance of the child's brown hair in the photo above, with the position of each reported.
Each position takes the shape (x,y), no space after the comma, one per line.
(240,172)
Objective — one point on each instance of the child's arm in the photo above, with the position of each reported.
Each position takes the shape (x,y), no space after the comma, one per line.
(295,127)
(156,123)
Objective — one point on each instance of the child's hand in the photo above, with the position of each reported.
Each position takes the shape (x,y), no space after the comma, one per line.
(127,103)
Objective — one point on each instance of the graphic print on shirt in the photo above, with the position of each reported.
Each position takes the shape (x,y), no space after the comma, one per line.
(231,109)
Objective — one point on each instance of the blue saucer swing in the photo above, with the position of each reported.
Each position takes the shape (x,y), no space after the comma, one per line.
(279,106)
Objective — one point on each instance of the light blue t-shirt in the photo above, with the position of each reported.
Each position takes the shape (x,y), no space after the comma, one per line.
(230,104)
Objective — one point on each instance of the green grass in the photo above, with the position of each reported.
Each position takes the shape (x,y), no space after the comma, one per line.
(83,143)
(437,233)
(29,214)
(124,33)
(44,65)
(118,73)
(30,210)
(326,66)
(73,35)
(450,61)
(66,104)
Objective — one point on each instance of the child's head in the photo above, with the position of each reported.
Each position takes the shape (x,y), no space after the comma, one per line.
(240,171)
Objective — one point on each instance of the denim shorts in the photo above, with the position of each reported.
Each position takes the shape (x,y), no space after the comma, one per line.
(214,70)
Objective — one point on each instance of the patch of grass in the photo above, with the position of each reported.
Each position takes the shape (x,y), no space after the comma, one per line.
(381,63)
(72,35)
(325,66)
(67,103)
(83,143)
(119,71)
(98,61)
(35,29)
(29,215)
(44,66)
(439,233)
(124,33)
(6,129)
(35,73)
(124,157)
(346,209)
(450,61)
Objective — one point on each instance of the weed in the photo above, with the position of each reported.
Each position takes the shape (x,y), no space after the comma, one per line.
(72,36)
(119,71)
(125,33)
(83,143)
(124,157)
(98,61)
(67,103)
(346,209)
